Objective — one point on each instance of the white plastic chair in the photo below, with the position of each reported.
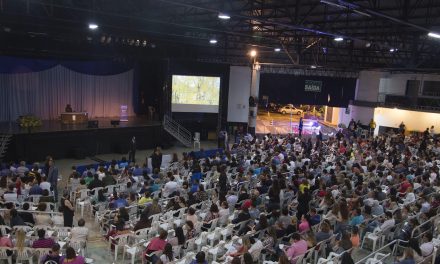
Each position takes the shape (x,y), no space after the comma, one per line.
(4,255)
(376,237)
(226,232)
(132,251)
(118,241)
(63,232)
(214,236)
(26,254)
(201,241)
(377,259)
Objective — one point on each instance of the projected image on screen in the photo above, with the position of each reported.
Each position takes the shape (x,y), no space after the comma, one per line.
(195,94)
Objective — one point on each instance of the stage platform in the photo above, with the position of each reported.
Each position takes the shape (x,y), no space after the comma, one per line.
(77,140)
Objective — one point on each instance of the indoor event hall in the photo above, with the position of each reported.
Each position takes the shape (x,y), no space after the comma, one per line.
(219,131)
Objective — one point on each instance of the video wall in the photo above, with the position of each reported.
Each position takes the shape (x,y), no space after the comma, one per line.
(195,94)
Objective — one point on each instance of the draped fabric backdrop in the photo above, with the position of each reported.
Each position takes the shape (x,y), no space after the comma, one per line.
(45,93)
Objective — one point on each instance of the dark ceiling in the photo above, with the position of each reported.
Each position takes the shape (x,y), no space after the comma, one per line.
(304,30)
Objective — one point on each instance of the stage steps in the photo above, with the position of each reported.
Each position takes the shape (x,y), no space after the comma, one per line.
(4,141)
(177,131)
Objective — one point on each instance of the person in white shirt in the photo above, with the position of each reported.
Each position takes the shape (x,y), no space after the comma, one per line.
(45,185)
(427,247)
(256,248)
(410,197)
(170,187)
(389,221)
(22,169)
(79,233)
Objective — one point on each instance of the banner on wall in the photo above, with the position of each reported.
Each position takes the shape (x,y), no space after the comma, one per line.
(313,86)
(123,113)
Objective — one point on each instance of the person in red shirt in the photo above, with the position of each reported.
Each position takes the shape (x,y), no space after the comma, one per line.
(156,244)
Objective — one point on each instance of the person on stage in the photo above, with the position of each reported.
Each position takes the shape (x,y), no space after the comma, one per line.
(132,152)
(68,109)
(300,127)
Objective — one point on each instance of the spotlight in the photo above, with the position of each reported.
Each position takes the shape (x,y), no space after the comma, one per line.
(277,49)
(224,16)
(253,53)
(93,26)
(339,39)
(368,44)
(312,67)
(213,41)
(434,35)
(393,50)
(138,42)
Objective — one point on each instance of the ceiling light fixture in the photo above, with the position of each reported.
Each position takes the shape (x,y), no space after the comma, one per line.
(213,41)
(339,39)
(224,16)
(93,26)
(253,53)
(277,49)
(393,50)
(313,67)
(434,35)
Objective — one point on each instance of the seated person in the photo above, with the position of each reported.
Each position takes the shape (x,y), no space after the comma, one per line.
(35,189)
(68,109)
(16,218)
(200,258)
(42,241)
(10,195)
(72,258)
(156,244)
(42,218)
(26,216)
(54,255)
(46,198)
(79,233)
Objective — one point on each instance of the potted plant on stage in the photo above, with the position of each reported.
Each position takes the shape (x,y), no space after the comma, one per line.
(29,122)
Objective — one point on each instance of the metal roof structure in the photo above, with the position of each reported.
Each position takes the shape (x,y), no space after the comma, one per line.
(387,34)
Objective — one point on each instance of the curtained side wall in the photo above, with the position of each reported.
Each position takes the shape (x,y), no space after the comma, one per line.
(46,93)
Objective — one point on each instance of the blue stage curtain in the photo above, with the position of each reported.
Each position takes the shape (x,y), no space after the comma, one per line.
(43,89)
(103,67)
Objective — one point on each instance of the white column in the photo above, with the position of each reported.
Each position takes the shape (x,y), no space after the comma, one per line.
(254,90)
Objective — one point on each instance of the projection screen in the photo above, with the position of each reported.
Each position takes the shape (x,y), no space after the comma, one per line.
(198,94)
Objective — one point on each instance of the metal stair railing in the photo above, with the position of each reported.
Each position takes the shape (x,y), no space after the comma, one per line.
(4,141)
(177,130)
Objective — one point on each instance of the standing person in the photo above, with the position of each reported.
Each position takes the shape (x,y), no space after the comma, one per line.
(223,185)
(52,176)
(300,127)
(68,210)
(132,153)
(402,128)
(156,159)
(372,126)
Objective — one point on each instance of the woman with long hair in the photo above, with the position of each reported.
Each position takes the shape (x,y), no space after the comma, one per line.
(211,215)
(72,258)
(179,238)
(68,210)
(167,254)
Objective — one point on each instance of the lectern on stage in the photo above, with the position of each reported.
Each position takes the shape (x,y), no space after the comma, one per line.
(74,117)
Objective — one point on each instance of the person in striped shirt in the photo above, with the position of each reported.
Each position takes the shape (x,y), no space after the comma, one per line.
(42,241)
